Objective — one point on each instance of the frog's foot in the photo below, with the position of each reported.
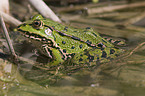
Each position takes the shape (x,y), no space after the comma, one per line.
(116,42)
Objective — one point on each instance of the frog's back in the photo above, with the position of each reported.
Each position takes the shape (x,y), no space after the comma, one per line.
(86,35)
(88,46)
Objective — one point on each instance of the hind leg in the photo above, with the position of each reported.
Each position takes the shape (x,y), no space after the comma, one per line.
(115,41)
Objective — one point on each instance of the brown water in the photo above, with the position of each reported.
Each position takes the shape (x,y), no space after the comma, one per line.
(122,77)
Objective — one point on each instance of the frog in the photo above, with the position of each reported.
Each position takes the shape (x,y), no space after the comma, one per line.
(63,44)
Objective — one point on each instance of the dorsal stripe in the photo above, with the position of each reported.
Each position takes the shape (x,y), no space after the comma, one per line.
(71,36)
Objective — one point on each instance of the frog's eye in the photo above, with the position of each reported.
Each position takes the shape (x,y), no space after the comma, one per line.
(37,24)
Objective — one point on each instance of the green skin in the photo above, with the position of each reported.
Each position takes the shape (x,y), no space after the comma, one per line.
(66,44)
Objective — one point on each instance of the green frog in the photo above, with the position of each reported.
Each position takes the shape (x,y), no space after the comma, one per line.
(64,44)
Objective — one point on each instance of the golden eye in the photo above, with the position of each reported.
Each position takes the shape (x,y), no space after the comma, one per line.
(37,24)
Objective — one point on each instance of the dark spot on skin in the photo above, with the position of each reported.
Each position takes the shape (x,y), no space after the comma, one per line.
(104,54)
(88,42)
(64,50)
(81,46)
(94,34)
(75,38)
(73,47)
(100,45)
(85,50)
(97,58)
(88,27)
(80,59)
(116,42)
(112,51)
(54,37)
(53,27)
(62,54)
(104,40)
(62,34)
(91,58)
(57,47)
(72,54)
(68,56)
(65,29)
(63,42)
(110,40)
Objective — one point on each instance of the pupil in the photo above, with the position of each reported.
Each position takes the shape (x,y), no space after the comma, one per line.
(36,23)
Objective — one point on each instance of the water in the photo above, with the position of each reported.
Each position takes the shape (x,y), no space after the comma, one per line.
(122,77)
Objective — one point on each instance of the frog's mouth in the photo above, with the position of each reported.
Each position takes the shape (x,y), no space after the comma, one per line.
(35,37)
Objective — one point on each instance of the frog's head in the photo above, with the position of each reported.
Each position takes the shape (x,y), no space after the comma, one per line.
(37,29)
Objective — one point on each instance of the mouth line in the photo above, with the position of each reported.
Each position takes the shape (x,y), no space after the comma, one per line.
(33,36)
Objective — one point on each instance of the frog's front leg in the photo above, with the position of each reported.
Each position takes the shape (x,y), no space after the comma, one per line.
(54,54)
